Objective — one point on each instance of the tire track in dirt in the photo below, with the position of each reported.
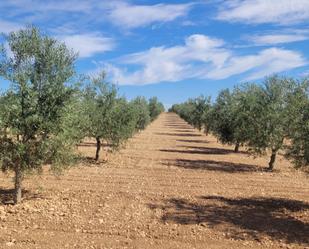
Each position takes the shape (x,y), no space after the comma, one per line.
(170,187)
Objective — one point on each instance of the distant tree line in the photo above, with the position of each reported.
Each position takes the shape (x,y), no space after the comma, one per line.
(48,109)
(268,117)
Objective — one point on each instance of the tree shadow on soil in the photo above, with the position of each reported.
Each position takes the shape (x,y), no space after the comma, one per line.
(209,150)
(90,161)
(87,144)
(182,127)
(183,130)
(7,196)
(192,141)
(212,165)
(242,218)
(178,134)
(92,144)
(173,124)
(201,150)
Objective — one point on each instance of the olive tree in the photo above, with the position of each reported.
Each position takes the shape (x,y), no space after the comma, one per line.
(268,126)
(99,99)
(155,108)
(199,108)
(123,123)
(185,110)
(297,147)
(195,111)
(206,115)
(113,119)
(223,116)
(266,117)
(32,130)
(242,110)
(140,106)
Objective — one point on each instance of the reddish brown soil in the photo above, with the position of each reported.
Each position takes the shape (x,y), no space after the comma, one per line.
(171,187)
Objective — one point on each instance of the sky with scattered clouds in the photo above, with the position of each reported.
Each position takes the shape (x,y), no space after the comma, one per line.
(173,49)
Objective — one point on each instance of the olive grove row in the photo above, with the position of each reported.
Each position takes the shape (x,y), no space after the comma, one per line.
(48,109)
(268,117)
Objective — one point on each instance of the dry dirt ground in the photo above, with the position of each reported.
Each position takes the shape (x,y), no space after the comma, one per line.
(171,187)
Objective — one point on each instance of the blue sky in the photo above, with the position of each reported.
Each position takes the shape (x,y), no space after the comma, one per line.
(173,49)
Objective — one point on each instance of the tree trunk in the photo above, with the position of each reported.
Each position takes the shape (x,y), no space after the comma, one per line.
(206,130)
(97,154)
(272,160)
(236,149)
(18,185)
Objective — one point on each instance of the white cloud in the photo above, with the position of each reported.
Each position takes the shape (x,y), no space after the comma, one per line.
(200,57)
(170,64)
(6,26)
(88,45)
(132,16)
(284,12)
(119,12)
(22,6)
(271,39)
(268,61)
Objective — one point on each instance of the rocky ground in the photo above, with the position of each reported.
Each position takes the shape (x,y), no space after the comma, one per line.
(171,187)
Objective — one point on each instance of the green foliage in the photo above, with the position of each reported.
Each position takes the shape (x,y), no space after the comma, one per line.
(206,117)
(200,109)
(184,110)
(244,108)
(155,108)
(71,133)
(140,106)
(269,117)
(32,123)
(298,125)
(99,100)
(112,119)
(123,122)
(195,111)
(222,115)
(43,114)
